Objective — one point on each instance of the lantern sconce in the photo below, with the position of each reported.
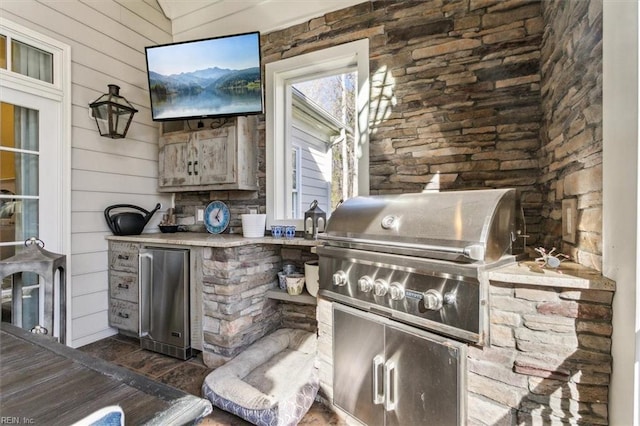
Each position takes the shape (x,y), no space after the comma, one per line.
(113,113)
(314,221)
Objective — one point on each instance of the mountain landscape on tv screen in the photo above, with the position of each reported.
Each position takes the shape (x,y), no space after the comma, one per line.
(210,79)
(206,92)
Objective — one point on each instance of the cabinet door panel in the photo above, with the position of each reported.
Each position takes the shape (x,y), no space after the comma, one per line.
(176,161)
(357,342)
(216,158)
(425,380)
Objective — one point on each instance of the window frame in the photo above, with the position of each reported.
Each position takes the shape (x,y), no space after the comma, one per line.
(279,76)
(296,178)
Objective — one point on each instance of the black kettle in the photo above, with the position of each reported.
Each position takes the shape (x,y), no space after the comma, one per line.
(128,223)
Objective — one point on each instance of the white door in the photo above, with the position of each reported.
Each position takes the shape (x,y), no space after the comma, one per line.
(30,184)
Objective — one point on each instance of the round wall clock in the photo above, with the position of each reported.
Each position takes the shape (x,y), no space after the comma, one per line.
(216,217)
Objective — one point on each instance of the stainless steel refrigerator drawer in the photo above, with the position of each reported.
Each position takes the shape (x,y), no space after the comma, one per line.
(164,301)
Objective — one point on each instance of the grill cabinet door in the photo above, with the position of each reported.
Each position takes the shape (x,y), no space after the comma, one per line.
(424,376)
(357,344)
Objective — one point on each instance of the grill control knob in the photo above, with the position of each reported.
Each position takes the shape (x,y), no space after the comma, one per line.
(339,278)
(432,300)
(380,287)
(396,291)
(365,284)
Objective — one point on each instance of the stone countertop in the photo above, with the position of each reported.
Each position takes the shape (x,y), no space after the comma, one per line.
(205,239)
(567,275)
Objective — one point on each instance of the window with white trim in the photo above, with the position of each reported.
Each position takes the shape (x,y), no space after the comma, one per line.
(280,78)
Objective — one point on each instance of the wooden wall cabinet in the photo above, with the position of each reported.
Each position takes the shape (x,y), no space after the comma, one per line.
(123,286)
(209,159)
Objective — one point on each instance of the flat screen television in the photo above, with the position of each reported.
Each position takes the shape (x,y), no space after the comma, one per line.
(214,77)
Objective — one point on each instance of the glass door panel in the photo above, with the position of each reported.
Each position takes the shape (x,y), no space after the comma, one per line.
(19,203)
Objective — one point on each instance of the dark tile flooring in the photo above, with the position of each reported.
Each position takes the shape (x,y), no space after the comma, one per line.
(185,375)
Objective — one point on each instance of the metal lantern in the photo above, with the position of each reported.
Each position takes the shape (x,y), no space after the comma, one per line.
(37,260)
(113,113)
(314,221)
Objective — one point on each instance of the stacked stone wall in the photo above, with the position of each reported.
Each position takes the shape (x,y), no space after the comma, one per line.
(571,133)
(549,361)
(468,94)
(236,309)
(455,95)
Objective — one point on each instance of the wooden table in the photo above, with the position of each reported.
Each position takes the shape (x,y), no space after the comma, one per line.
(44,382)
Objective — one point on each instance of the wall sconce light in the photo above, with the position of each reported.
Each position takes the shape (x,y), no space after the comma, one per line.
(113,113)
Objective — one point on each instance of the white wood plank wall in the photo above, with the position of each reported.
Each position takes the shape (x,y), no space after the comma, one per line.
(315,168)
(107,40)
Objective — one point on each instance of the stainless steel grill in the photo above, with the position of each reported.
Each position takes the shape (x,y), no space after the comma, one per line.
(414,267)
(419,258)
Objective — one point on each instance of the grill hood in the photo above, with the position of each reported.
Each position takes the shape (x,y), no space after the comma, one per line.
(464,226)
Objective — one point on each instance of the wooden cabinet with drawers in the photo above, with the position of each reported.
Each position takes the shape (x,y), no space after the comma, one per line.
(209,159)
(123,286)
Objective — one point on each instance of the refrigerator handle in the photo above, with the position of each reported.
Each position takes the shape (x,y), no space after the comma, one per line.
(145,278)
(390,385)
(378,394)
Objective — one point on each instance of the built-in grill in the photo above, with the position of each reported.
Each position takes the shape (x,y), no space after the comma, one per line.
(419,260)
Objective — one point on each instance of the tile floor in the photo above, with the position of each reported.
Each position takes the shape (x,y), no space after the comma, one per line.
(186,375)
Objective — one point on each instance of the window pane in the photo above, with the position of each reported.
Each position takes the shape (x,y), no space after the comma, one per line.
(19,173)
(19,127)
(18,220)
(328,162)
(3,52)
(31,61)
(19,177)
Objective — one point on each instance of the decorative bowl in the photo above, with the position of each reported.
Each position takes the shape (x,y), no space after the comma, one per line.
(168,229)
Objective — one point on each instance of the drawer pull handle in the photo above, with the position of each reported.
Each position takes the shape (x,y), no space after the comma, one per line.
(125,286)
(123,257)
(121,315)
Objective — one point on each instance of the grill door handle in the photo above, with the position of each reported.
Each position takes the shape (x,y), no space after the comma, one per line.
(390,385)
(378,392)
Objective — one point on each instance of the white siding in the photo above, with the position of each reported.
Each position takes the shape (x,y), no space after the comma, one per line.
(315,168)
(107,40)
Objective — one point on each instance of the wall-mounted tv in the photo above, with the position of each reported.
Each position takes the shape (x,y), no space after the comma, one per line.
(215,77)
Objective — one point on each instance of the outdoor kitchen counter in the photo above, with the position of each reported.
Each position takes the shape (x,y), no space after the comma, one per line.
(567,275)
(204,239)
(233,285)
